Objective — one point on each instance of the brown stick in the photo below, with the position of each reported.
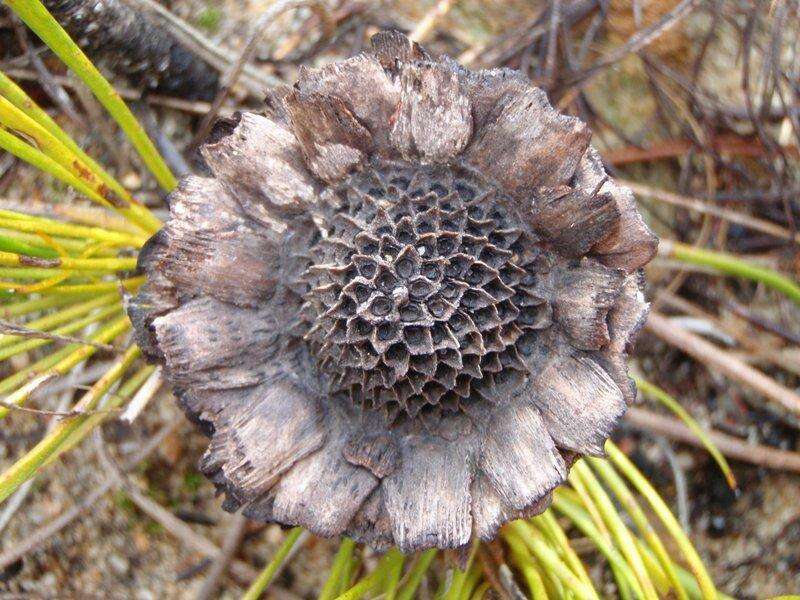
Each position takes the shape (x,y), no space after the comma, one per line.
(46,531)
(714,357)
(428,22)
(135,46)
(230,545)
(635,43)
(700,206)
(232,76)
(670,148)
(730,446)
(239,569)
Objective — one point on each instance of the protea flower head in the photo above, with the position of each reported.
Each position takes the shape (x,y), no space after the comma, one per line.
(400,303)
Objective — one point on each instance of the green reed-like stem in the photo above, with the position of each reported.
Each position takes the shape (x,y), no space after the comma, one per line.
(67,263)
(82,289)
(581,519)
(22,102)
(730,265)
(652,390)
(394,573)
(619,532)
(621,462)
(415,574)
(550,559)
(547,522)
(58,363)
(455,590)
(37,225)
(632,508)
(42,23)
(62,316)
(15,245)
(14,119)
(32,305)
(333,585)
(105,409)
(47,246)
(265,577)
(77,325)
(26,467)
(525,563)
(27,153)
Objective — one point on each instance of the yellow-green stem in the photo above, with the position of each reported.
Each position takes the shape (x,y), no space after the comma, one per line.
(393,576)
(622,536)
(51,246)
(26,467)
(27,153)
(730,265)
(67,263)
(265,577)
(19,274)
(547,521)
(333,585)
(125,391)
(36,225)
(129,285)
(13,243)
(707,588)
(580,518)
(369,582)
(460,577)
(631,506)
(652,390)
(42,23)
(67,359)
(415,575)
(61,316)
(31,305)
(551,561)
(70,328)
(525,563)
(19,122)
(17,96)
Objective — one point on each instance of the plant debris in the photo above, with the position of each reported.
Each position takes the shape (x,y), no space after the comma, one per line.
(401,305)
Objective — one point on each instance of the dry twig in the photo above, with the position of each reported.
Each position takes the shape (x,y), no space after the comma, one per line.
(428,22)
(714,357)
(7,328)
(230,545)
(233,74)
(41,535)
(698,205)
(730,446)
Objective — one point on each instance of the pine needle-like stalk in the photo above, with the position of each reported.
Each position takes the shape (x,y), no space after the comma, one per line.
(672,404)
(663,512)
(24,468)
(47,28)
(730,265)
(264,578)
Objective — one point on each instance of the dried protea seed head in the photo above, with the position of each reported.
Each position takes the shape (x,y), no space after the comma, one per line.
(424,290)
(402,302)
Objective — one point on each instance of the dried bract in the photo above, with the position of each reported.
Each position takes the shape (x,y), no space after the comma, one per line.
(401,304)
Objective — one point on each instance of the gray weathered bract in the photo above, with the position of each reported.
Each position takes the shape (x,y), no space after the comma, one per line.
(401,304)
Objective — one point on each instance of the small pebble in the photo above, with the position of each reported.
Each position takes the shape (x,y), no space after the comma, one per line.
(119,564)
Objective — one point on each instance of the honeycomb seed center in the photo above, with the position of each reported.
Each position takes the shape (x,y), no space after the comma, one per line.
(423,294)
